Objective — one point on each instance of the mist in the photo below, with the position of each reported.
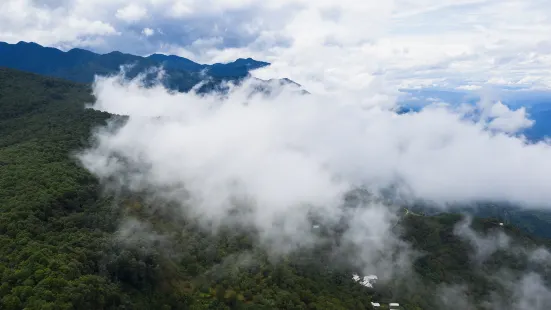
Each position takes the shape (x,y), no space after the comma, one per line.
(287,149)
(522,285)
(280,162)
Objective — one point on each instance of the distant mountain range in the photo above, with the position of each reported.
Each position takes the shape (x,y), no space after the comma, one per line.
(80,65)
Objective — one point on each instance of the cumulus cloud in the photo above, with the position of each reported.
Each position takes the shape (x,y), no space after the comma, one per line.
(131,13)
(148,32)
(282,162)
(498,116)
(279,162)
(287,150)
(245,162)
(51,23)
(505,119)
(450,43)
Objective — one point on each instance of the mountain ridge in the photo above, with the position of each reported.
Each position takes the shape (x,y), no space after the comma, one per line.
(80,65)
(172,61)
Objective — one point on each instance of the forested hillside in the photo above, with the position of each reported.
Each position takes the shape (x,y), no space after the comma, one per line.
(66,244)
(58,246)
(536,222)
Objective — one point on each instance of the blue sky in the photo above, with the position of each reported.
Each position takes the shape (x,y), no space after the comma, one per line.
(329,44)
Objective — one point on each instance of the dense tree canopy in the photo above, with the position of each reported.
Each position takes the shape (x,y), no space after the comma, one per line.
(61,247)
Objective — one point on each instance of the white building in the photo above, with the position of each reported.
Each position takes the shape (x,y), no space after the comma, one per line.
(367,281)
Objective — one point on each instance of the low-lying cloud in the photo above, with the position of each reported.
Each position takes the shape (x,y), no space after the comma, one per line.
(516,286)
(288,149)
(281,163)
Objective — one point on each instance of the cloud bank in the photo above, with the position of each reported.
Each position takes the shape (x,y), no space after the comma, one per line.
(286,149)
(280,163)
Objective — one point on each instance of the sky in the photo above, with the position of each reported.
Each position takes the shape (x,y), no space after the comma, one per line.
(458,44)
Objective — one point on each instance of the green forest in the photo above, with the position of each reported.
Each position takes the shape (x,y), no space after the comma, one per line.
(60,247)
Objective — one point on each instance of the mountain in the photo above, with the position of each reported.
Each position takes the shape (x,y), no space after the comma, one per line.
(533,222)
(176,62)
(58,234)
(81,66)
(63,240)
(238,68)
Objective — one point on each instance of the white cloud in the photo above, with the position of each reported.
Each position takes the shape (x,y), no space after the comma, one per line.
(131,13)
(484,246)
(277,161)
(338,42)
(148,32)
(26,21)
(507,120)
(211,157)
(531,293)
(498,116)
(469,87)
(522,287)
(284,151)
(288,155)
